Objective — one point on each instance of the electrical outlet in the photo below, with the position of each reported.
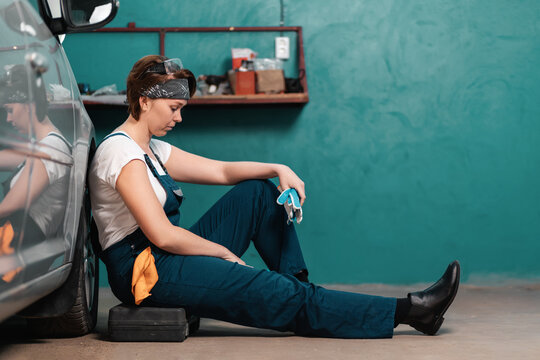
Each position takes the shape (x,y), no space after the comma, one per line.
(282,47)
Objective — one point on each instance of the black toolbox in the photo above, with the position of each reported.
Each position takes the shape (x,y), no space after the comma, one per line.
(134,323)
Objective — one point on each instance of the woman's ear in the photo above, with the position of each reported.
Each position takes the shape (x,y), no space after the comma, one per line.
(144,103)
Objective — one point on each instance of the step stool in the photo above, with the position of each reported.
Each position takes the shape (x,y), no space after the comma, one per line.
(141,323)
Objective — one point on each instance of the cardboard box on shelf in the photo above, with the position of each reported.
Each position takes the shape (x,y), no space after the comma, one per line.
(270,81)
(242,82)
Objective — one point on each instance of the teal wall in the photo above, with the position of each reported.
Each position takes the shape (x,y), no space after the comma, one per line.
(420,143)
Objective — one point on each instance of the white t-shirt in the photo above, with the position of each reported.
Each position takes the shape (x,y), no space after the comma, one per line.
(113,219)
(47,210)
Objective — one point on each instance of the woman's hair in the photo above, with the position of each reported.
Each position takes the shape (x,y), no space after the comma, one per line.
(139,80)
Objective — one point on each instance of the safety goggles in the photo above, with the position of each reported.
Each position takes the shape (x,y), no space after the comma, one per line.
(167,67)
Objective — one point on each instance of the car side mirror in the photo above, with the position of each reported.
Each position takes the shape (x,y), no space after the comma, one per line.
(69,16)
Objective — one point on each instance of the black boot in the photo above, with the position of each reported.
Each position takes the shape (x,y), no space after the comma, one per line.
(429,306)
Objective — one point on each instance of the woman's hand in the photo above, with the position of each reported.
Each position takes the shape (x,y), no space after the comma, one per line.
(288,179)
(229,256)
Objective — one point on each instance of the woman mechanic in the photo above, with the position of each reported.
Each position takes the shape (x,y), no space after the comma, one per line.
(135,202)
(24,98)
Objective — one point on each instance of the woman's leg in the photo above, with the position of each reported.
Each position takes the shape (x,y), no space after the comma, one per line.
(219,289)
(249,212)
(215,288)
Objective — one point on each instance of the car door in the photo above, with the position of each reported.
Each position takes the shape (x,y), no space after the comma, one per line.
(13,145)
(38,132)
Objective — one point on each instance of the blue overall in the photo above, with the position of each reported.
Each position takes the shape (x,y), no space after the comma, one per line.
(215,288)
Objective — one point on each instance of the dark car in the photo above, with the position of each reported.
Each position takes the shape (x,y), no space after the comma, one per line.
(48,266)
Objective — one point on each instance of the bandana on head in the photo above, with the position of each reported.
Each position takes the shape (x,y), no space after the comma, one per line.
(14,86)
(16,96)
(170,89)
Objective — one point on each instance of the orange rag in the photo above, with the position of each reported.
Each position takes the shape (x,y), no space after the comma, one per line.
(6,236)
(144,276)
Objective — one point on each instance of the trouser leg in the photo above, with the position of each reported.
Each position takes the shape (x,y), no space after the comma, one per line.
(214,288)
(249,212)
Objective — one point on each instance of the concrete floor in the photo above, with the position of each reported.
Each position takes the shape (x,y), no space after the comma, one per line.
(483,323)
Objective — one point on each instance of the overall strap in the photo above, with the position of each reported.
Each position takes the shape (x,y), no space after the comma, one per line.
(114,134)
(159,161)
(61,138)
(151,166)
